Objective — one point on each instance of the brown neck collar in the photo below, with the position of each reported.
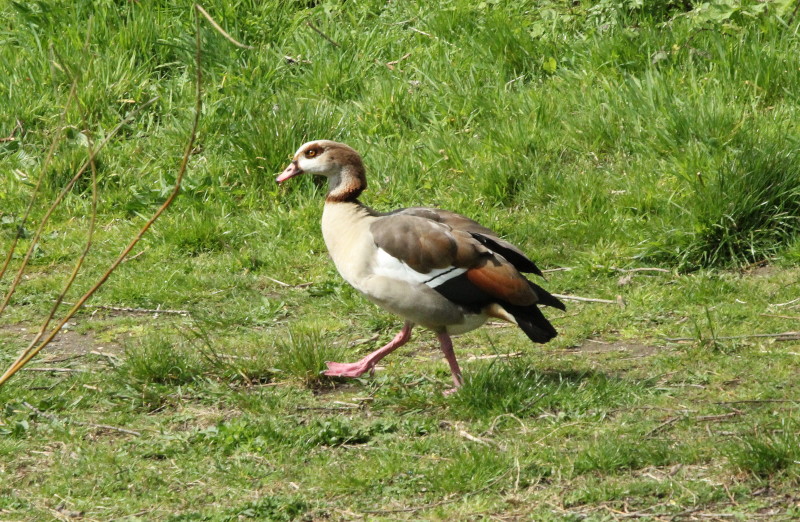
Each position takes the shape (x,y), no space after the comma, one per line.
(348,185)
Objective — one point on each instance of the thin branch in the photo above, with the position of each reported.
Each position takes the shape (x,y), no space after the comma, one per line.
(495,356)
(11,137)
(287,285)
(136,255)
(792,317)
(711,418)
(429,35)
(783,336)
(391,64)
(135,310)
(326,408)
(787,303)
(216,26)
(618,301)
(45,164)
(663,425)
(359,342)
(140,310)
(758,401)
(319,32)
(61,196)
(52,370)
(48,158)
(52,417)
(89,236)
(633,270)
(27,355)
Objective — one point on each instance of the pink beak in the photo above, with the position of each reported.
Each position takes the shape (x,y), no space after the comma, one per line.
(289,172)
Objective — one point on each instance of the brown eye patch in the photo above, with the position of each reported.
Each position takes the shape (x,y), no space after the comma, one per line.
(310,153)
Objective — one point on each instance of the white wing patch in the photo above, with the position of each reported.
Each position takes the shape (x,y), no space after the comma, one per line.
(387,265)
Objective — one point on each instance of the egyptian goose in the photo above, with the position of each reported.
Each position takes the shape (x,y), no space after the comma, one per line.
(432,267)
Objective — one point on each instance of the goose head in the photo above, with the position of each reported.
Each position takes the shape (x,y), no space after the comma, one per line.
(336,161)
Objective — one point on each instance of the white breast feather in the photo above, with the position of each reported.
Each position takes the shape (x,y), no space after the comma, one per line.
(387,265)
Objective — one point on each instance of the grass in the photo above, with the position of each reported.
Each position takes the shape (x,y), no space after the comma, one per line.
(600,136)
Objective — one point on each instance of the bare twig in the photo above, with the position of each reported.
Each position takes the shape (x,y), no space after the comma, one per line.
(136,310)
(52,417)
(560,269)
(783,336)
(634,270)
(323,408)
(758,401)
(135,255)
(319,32)
(291,60)
(287,285)
(60,198)
(429,35)
(495,356)
(278,282)
(53,370)
(792,317)
(28,354)
(618,301)
(711,418)
(89,236)
(359,342)
(92,221)
(216,26)
(45,164)
(391,64)
(140,310)
(11,137)
(787,303)
(662,426)
(473,438)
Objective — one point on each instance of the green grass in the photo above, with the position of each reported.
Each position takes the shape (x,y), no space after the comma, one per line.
(600,136)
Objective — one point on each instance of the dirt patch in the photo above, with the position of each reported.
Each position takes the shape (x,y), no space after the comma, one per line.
(760,270)
(67,342)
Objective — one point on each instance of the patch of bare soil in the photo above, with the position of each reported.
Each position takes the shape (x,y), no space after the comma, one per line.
(66,343)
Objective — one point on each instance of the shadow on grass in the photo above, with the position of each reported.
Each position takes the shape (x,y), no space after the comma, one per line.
(514,387)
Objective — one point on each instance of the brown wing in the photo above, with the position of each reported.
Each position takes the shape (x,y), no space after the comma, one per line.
(484,235)
(425,244)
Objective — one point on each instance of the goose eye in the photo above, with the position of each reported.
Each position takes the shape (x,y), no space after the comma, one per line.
(311,153)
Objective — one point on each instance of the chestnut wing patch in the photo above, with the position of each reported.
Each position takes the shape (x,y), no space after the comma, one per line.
(502,281)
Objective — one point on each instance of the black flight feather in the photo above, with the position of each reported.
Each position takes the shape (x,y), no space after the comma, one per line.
(520,262)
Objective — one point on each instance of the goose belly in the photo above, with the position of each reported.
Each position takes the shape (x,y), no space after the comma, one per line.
(470,322)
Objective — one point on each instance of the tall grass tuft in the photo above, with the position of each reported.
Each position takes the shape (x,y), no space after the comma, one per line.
(745,211)
(765,455)
(303,355)
(608,455)
(156,359)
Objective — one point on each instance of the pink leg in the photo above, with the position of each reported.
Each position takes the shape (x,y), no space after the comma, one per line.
(367,364)
(447,347)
